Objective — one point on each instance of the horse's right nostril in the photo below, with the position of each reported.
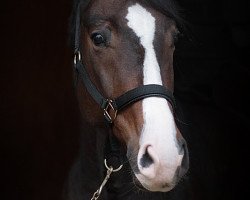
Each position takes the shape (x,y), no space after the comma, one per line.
(146,159)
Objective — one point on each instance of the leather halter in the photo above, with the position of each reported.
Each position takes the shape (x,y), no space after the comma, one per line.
(111,107)
(116,104)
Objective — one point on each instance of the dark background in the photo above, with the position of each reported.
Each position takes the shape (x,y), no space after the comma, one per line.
(39,117)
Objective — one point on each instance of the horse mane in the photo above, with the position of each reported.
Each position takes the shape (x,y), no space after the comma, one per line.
(72,20)
(168,7)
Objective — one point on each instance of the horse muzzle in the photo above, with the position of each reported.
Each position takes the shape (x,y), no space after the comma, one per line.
(161,172)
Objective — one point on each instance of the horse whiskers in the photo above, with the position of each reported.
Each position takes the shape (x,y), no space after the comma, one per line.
(133,182)
(182,122)
(130,187)
(132,159)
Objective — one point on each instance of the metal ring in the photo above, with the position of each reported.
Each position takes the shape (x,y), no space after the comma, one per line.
(77,57)
(111,168)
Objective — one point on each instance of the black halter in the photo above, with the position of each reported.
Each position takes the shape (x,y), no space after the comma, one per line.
(111,107)
(118,103)
(130,97)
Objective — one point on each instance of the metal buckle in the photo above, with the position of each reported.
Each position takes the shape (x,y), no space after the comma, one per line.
(110,118)
(77,57)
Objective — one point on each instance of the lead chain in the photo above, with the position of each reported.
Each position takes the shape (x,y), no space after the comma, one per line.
(110,170)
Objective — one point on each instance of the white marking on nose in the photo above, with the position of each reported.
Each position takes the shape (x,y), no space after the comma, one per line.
(159,127)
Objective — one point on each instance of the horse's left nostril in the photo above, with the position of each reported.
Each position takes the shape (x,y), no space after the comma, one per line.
(181,150)
(146,160)
(185,160)
(181,146)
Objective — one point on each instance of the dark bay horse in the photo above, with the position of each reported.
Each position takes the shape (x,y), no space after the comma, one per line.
(124,81)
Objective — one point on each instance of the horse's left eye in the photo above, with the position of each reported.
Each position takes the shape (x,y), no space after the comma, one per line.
(98,39)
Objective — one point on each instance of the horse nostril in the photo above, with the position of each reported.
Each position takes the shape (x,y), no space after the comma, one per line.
(185,160)
(146,160)
(181,150)
(181,146)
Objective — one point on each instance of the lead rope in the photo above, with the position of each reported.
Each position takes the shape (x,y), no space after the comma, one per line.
(110,170)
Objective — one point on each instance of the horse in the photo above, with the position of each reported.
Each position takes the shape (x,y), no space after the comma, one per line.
(131,146)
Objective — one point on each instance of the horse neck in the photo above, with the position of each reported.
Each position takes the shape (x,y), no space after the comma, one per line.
(92,146)
(93,141)
(88,172)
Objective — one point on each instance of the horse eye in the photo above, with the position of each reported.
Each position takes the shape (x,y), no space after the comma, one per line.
(98,39)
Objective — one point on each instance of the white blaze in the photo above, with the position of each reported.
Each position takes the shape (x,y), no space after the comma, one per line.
(159,128)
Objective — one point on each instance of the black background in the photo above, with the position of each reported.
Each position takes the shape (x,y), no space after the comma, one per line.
(39,117)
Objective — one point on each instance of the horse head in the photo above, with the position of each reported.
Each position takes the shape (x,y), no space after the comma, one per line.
(124,45)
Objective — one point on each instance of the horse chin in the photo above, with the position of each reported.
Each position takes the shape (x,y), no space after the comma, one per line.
(151,186)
